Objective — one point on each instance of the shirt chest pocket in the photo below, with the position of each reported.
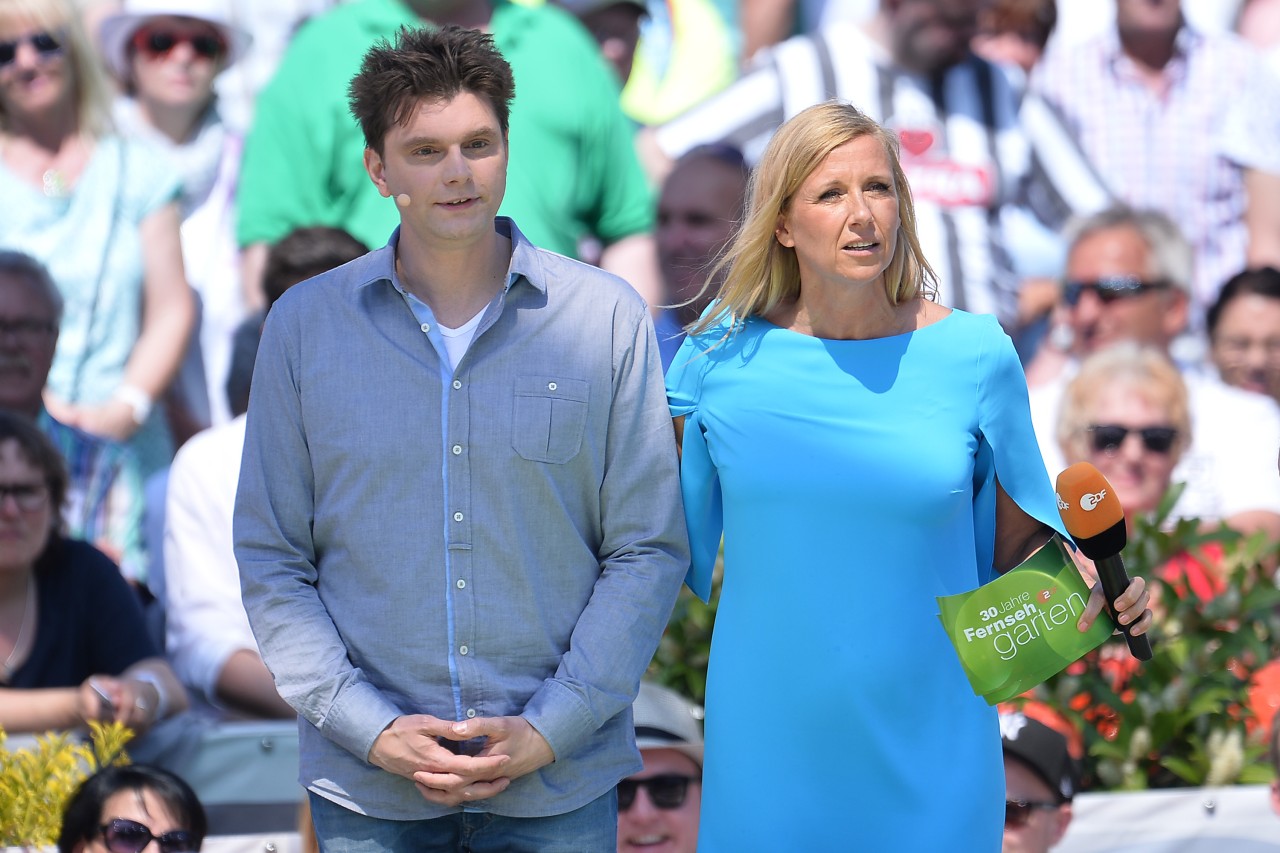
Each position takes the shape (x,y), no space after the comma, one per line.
(549,417)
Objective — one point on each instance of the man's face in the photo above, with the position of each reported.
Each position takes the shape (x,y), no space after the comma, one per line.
(645,826)
(1148,315)
(1149,18)
(617,30)
(450,159)
(1044,827)
(698,209)
(28,335)
(932,35)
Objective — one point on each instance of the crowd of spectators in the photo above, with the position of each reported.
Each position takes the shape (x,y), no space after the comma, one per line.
(1109,190)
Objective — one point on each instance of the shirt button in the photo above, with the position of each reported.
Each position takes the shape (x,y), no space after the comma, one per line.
(457,383)
(462,650)
(551,386)
(462,584)
(457,449)
(426,327)
(457,516)
(471,712)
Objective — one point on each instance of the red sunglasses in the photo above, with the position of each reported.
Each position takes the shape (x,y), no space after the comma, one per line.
(158,42)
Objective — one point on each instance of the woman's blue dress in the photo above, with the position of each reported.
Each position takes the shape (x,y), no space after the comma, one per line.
(854,482)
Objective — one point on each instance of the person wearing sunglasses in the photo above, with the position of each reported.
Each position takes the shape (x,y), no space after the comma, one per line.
(73,643)
(166,55)
(124,809)
(99,212)
(1126,279)
(658,807)
(1040,779)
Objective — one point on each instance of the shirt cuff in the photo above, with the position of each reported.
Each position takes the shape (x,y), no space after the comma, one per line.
(357,717)
(561,717)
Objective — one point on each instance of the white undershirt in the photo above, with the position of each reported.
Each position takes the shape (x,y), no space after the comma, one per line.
(457,340)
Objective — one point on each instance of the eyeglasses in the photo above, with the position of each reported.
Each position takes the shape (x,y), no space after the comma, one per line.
(156,42)
(665,792)
(1110,289)
(28,496)
(128,836)
(27,328)
(46,45)
(1107,438)
(1018,812)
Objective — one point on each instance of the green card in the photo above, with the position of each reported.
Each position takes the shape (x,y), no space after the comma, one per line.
(1013,633)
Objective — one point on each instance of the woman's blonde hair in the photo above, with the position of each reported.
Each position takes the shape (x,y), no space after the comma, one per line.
(1148,374)
(759,272)
(90,91)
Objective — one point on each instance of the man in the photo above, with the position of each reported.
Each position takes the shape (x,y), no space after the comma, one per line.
(574,179)
(1040,780)
(1127,279)
(208,638)
(104,499)
(458,522)
(700,205)
(1147,101)
(965,146)
(658,807)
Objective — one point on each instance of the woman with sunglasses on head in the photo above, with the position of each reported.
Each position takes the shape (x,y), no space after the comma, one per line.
(73,643)
(165,55)
(124,809)
(101,213)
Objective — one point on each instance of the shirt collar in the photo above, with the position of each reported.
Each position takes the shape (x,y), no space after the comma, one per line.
(526,263)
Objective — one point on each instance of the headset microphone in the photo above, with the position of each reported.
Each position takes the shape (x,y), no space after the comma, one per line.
(403,201)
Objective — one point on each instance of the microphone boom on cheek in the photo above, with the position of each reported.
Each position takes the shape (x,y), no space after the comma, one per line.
(1093,516)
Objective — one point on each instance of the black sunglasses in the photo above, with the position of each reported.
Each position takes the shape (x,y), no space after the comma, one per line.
(1107,438)
(665,792)
(1110,289)
(1018,812)
(46,44)
(128,836)
(157,42)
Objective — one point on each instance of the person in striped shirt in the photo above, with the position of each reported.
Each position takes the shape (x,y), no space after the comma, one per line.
(975,153)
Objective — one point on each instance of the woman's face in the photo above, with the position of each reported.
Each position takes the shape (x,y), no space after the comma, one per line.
(133,809)
(843,220)
(26,516)
(1139,474)
(36,78)
(1246,344)
(174,60)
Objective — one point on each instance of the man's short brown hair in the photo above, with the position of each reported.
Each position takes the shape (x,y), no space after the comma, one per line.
(427,63)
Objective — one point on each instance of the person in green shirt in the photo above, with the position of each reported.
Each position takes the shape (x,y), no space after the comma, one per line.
(575,185)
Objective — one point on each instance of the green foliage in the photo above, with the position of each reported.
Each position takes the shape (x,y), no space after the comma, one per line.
(1182,718)
(36,783)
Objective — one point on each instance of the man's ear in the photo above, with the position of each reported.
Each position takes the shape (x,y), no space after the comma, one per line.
(377,173)
(1177,309)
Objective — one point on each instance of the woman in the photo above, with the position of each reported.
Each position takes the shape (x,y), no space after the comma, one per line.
(1244,331)
(124,809)
(101,214)
(866,450)
(73,643)
(166,56)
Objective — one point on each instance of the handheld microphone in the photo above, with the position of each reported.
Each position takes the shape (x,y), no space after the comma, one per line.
(1093,516)
(403,201)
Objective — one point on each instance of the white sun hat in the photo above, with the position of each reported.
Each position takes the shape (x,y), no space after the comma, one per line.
(118,28)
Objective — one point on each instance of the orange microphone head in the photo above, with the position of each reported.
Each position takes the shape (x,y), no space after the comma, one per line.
(1090,511)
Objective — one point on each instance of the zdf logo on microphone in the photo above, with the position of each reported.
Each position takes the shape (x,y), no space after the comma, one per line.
(1089,500)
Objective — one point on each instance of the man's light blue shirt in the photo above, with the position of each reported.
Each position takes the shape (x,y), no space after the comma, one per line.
(504,538)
